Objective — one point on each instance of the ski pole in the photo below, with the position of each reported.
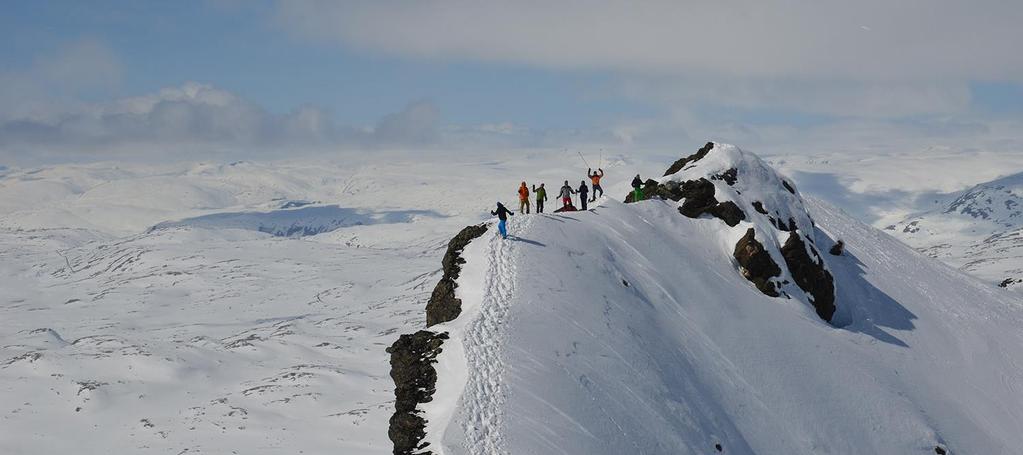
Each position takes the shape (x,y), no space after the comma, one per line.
(584,159)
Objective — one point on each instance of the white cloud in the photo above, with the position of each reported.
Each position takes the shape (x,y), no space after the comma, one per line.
(203,118)
(870,40)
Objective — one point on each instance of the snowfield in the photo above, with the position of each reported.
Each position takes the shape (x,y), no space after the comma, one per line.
(245,308)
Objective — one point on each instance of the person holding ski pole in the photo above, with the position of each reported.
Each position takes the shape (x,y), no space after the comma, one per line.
(637,189)
(566,194)
(502,218)
(582,194)
(541,196)
(523,199)
(595,179)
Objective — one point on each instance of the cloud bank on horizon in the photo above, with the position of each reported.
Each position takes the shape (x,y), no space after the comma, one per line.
(778,74)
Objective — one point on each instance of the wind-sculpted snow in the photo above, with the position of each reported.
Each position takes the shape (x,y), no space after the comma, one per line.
(622,330)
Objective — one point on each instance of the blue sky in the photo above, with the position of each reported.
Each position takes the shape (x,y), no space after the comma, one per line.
(546,75)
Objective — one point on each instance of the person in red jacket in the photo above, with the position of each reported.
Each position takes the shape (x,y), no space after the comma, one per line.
(523,199)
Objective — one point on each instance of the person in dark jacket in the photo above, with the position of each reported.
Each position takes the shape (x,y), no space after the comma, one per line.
(582,194)
(541,196)
(502,218)
(637,189)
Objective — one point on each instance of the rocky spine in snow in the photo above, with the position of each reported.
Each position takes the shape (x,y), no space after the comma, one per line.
(443,305)
(810,275)
(415,381)
(413,355)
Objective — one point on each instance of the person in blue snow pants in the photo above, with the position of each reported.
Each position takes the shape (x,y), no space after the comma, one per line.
(502,218)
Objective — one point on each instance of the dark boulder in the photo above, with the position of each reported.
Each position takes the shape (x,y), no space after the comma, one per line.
(728,212)
(567,208)
(681,163)
(837,248)
(443,305)
(756,263)
(415,381)
(810,275)
(699,199)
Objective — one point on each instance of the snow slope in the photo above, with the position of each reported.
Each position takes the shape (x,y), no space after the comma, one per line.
(628,329)
(980,231)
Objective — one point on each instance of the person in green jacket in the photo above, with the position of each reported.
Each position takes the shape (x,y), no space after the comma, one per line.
(541,196)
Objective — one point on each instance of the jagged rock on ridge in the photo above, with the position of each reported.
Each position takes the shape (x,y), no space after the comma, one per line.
(756,263)
(810,275)
(443,305)
(415,381)
(681,163)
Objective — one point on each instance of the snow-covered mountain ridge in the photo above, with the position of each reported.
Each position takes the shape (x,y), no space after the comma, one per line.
(980,231)
(692,323)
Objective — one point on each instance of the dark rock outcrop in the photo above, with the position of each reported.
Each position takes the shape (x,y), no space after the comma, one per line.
(728,212)
(759,207)
(810,275)
(837,249)
(730,176)
(788,187)
(756,263)
(443,305)
(699,199)
(681,163)
(415,381)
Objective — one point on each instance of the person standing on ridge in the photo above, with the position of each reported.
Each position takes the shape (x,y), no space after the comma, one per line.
(582,194)
(523,198)
(595,179)
(566,194)
(541,196)
(502,218)
(637,190)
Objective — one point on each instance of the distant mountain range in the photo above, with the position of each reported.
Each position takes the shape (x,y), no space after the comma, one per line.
(980,231)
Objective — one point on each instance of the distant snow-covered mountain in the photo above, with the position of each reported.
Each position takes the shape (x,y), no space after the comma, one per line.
(979,231)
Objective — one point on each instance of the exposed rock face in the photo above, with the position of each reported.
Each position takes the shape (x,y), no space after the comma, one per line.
(415,381)
(699,199)
(443,305)
(756,263)
(810,275)
(728,212)
(681,163)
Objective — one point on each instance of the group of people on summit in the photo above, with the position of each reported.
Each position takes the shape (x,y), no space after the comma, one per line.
(565,194)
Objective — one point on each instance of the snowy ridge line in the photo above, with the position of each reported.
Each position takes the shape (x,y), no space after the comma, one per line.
(484,395)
